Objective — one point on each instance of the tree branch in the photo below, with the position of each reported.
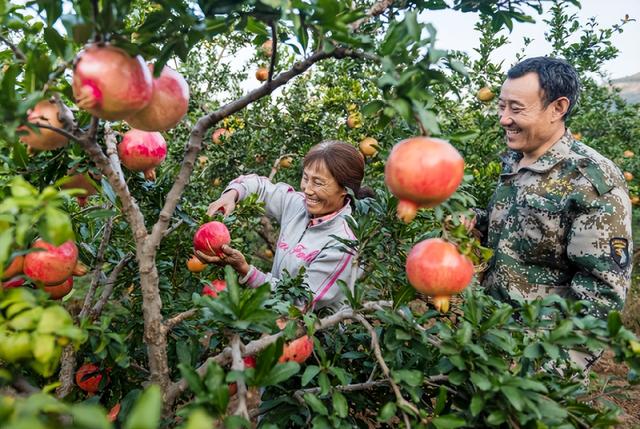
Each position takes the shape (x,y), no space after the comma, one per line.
(274,49)
(16,51)
(179,318)
(375,345)
(238,365)
(23,385)
(97,268)
(108,286)
(252,348)
(375,10)
(67,368)
(276,164)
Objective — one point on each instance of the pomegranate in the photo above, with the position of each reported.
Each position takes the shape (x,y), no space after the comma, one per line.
(142,151)
(436,268)
(110,84)
(220,135)
(213,288)
(81,181)
(195,265)
(267,48)
(169,103)
(61,290)
(249,362)
(354,120)
(286,162)
(262,74)
(13,282)
(210,237)
(628,176)
(14,268)
(368,146)
(628,154)
(53,264)
(422,172)
(88,378)
(45,113)
(297,350)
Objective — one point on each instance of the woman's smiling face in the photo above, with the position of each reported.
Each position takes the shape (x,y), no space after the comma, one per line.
(323,194)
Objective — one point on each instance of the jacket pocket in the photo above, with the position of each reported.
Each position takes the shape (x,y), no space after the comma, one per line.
(542,230)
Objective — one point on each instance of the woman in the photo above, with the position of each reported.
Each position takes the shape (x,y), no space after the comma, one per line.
(309,222)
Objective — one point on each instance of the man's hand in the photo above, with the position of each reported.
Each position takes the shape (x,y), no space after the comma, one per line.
(468,223)
(226,203)
(230,256)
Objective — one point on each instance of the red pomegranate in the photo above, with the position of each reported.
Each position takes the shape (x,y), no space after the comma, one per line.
(249,362)
(169,103)
(81,181)
(53,264)
(220,134)
(14,268)
(13,282)
(436,268)
(213,288)
(88,378)
(210,237)
(45,113)
(61,290)
(142,151)
(422,172)
(297,350)
(110,84)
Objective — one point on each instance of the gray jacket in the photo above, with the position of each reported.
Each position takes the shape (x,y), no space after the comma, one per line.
(301,244)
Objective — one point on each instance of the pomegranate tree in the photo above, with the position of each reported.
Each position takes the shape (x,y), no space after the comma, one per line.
(88,377)
(422,172)
(210,237)
(436,268)
(109,83)
(297,350)
(169,103)
(213,288)
(142,151)
(49,264)
(46,112)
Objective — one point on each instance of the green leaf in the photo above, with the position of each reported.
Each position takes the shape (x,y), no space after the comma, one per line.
(309,373)
(55,41)
(514,396)
(57,227)
(388,411)
(614,322)
(146,411)
(89,416)
(315,404)
(448,421)
(412,377)
(281,372)
(481,381)
(477,405)
(340,405)
(372,107)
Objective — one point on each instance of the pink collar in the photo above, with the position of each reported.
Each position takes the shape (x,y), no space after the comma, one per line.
(314,221)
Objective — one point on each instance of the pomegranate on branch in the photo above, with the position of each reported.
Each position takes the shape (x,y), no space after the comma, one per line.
(142,151)
(422,172)
(88,377)
(169,103)
(297,350)
(213,288)
(49,264)
(14,268)
(109,83)
(437,269)
(46,112)
(61,290)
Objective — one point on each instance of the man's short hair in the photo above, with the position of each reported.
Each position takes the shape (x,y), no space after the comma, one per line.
(557,79)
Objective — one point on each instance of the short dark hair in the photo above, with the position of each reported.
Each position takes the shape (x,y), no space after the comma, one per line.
(344,162)
(557,79)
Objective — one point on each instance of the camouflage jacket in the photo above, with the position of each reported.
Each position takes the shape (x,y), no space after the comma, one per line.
(560,225)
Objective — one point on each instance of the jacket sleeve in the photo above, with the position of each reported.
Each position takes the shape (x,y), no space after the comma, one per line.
(600,247)
(277,197)
(322,276)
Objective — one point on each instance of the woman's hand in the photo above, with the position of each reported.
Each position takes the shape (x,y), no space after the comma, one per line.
(226,203)
(230,256)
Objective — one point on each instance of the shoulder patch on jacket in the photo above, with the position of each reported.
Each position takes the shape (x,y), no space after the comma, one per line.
(594,174)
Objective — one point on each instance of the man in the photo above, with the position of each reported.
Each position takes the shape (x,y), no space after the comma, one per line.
(560,218)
